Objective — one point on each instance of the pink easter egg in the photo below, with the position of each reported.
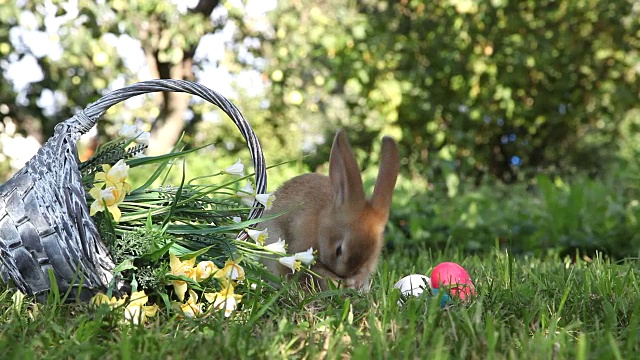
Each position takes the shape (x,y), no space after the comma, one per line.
(454,277)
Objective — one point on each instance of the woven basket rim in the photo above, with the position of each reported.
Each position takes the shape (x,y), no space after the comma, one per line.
(86,119)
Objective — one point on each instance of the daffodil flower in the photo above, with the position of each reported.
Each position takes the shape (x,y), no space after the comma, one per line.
(204,269)
(235,169)
(266,200)
(305,257)
(110,198)
(114,175)
(191,308)
(224,299)
(231,271)
(181,268)
(113,302)
(259,236)
(290,262)
(278,247)
(247,194)
(136,311)
(134,132)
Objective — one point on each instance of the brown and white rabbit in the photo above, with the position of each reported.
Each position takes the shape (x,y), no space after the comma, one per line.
(332,215)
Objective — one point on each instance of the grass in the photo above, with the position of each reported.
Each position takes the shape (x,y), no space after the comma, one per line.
(526,308)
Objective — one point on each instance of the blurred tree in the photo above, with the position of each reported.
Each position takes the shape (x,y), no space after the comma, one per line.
(472,88)
(78,48)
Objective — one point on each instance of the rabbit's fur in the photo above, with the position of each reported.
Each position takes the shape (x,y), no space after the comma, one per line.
(332,215)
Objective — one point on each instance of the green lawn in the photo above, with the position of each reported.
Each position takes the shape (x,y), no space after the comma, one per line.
(526,308)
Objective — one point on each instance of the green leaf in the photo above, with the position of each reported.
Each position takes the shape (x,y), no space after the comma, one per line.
(172,210)
(192,254)
(124,265)
(155,255)
(194,284)
(160,158)
(164,161)
(166,301)
(134,283)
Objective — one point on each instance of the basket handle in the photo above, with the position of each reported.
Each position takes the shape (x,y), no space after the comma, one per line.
(85,120)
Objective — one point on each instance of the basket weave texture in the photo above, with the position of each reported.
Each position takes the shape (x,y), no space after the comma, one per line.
(44,218)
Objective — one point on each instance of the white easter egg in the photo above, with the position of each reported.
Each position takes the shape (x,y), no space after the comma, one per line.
(413,285)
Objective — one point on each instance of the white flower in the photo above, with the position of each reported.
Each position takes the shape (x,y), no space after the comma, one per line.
(305,257)
(236,219)
(235,169)
(259,236)
(290,262)
(247,194)
(278,247)
(143,138)
(246,190)
(266,200)
(133,132)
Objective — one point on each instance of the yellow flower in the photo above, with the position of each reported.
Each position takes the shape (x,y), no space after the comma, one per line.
(113,302)
(18,300)
(136,311)
(191,308)
(231,271)
(224,299)
(181,268)
(110,198)
(204,269)
(113,175)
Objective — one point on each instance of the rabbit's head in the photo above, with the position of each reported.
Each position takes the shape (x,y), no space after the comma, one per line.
(351,229)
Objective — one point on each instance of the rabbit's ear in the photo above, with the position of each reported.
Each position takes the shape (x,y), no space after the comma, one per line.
(387,176)
(344,173)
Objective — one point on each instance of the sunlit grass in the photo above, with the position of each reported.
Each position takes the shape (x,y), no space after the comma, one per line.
(526,308)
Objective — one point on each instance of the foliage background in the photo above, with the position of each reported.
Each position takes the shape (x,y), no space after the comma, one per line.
(518,121)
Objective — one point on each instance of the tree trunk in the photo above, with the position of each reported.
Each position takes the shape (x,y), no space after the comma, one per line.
(167,129)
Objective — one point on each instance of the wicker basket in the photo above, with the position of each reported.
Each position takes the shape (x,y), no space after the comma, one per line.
(44,218)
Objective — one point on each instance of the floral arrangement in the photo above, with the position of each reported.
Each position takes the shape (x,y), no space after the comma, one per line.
(177,246)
